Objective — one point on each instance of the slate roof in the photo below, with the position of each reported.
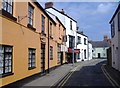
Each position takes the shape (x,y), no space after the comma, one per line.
(82,33)
(62,13)
(96,44)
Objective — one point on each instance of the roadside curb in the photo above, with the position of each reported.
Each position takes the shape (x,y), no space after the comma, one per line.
(111,80)
(60,83)
(63,79)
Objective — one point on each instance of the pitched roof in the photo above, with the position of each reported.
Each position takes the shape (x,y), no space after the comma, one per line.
(82,33)
(43,10)
(96,44)
(54,17)
(118,8)
(62,13)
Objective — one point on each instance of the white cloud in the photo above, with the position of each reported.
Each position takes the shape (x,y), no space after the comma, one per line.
(103,8)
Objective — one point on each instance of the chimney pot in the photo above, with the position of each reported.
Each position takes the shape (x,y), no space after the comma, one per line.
(62,11)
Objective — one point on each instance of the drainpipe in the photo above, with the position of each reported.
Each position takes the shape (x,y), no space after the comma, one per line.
(48,45)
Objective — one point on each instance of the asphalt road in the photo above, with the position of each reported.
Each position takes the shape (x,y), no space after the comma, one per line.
(89,74)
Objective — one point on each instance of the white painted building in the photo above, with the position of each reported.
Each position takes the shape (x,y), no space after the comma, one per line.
(115,33)
(71,27)
(90,49)
(82,45)
(100,49)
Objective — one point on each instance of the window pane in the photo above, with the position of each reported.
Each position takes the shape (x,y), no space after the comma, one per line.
(43,23)
(1,63)
(33,60)
(33,56)
(4,4)
(6,49)
(10,2)
(6,69)
(29,60)
(6,62)
(6,56)
(31,21)
(30,15)
(1,70)
(10,69)
(1,56)
(33,64)
(10,56)
(30,65)
(10,62)
(9,9)
(1,49)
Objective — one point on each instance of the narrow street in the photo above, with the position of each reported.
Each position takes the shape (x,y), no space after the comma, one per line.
(89,74)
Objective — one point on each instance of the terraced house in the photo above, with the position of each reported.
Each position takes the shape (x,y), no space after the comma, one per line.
(71,27)
(29,41)
(115,34)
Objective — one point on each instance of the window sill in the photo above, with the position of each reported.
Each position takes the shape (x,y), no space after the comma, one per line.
(31,27)
(7,14)
(30,68)
(5,75)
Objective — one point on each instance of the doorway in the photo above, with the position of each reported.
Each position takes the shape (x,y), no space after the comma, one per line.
(61,58)
(98,55)
(42,58)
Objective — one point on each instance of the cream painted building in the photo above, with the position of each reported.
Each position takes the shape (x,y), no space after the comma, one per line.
(29,44)
(115,34)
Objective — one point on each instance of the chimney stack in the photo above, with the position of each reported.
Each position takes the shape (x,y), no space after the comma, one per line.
(105,38)
(48,5)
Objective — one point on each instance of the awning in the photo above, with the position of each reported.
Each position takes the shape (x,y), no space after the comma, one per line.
(75,50)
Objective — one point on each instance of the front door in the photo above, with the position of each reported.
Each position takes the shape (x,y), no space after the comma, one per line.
(98,55)
(42,58)
(61,58)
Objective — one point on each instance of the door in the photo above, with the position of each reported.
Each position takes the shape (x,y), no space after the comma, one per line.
(42,58)
(98,55)
(61,58)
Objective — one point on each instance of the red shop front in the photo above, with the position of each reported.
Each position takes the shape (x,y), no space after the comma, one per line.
(70,54)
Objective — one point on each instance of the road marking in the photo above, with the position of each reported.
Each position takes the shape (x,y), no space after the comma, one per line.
(111,80)
(72,71)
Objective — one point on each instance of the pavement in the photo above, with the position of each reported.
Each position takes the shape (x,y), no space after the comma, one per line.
(51,78)
(47,80)
(113,75)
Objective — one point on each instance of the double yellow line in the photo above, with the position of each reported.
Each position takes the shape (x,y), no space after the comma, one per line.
(111,80)
(62,82)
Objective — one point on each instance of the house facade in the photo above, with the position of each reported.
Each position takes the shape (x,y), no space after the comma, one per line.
(115,34)
(29,41)
(100,49)
(60,33)
(82,45)
(90,49)
(70,25)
